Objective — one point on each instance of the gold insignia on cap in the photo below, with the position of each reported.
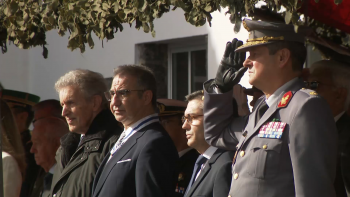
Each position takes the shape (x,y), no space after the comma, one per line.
(202,98)
(262,40)
(313,93)
(161,107)
(303,88)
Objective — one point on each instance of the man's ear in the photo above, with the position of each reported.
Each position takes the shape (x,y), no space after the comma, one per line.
(341,96)
(147,96)
(97,101)
(283,56)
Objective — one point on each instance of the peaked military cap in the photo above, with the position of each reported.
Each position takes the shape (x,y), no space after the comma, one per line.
(170,107)
(263,33)
(20,99)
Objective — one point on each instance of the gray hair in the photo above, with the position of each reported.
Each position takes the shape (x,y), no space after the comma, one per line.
(340,75)
(90,83)
(197,95)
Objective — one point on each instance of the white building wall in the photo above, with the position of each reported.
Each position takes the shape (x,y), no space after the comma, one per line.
(27,70)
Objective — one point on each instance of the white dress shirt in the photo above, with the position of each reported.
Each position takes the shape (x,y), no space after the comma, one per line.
(207,154)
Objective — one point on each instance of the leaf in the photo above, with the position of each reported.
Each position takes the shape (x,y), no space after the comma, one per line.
(337,2)
(288,17)
(13,7)
(90,41)
(45,52)
(145,27)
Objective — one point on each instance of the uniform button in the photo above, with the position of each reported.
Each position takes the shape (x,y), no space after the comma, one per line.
(265,146)
(235,176)
(229,195)
(242,153)
(245,133)
(54,195)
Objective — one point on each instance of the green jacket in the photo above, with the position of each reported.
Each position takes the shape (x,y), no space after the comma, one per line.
(78,161)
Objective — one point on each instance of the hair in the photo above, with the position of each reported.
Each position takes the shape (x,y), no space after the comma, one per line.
(89,83)
(197,95)
(145,78)
(19,109)
(55,127)
(11,138)
(297,52)
(340,74)
(52,104)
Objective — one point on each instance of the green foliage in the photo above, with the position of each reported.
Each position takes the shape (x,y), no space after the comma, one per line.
(25,22)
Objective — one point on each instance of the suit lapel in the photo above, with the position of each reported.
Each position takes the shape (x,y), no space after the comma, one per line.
(123,150)
(205,171)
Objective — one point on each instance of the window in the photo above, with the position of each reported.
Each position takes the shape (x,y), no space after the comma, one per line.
(187,71)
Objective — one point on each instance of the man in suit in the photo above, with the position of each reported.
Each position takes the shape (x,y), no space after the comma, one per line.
(21,104)
(170,115)
(143,161)
(211,176)
(331,80)
(287,145)
(46,140)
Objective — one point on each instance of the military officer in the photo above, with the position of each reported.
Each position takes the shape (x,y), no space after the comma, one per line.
(287,145)
(170,114)
(21,104)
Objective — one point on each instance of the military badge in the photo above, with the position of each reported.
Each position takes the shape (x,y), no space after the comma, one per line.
(272,130)
(285,99)
(313,93)
(181,177)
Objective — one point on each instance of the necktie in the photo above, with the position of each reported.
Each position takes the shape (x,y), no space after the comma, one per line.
(200,160)
(260,111)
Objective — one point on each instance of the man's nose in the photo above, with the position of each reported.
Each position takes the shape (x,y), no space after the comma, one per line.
(32,149)
(115,100)
(186,126)
(247,63)
(64,111)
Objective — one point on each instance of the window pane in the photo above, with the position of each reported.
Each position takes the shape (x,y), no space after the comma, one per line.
(198,69)
(179,75)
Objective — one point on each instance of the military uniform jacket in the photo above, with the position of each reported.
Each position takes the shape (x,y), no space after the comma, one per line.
(76,177)
(301,163)
(185,168)
(215,178)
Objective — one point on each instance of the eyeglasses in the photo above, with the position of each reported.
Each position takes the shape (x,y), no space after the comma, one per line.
(121,94)
(313,85)
(189,118)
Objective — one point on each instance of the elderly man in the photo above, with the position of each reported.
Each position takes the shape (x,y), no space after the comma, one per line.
(47,108)
(46,140)
(21,104)
(93,131)
(143,161)
(212,172)
(170,115)
(331,80)
(287,145)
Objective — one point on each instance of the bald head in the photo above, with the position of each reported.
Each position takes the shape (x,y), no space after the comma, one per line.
(46,140)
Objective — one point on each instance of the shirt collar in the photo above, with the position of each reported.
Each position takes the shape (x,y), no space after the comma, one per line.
(52,169)
(337,117)
(131,128)
(274,98)
(181,153)
(209,152)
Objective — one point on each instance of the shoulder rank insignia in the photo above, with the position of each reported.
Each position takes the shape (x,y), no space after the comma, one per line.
(313,93)
(285,99)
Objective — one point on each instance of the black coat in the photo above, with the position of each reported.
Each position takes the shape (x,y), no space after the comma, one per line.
(185,168)
(215,178)
(342,180)
(145,165)
(77,165)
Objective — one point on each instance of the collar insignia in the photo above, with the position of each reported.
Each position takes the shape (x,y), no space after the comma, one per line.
(285,99)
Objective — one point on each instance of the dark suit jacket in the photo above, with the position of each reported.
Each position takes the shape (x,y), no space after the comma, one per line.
(215,178)
(185,167)
(342,183)
(145,165)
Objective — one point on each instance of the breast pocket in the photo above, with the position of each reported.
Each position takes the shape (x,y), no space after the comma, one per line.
(264,157)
